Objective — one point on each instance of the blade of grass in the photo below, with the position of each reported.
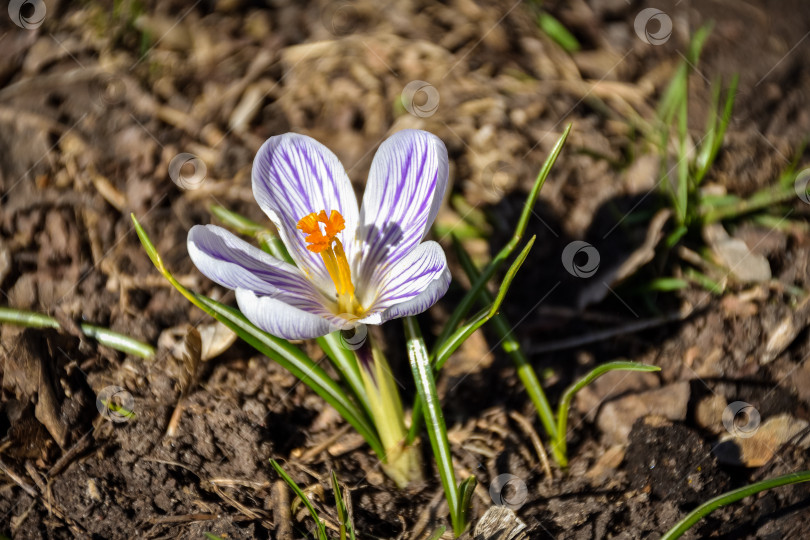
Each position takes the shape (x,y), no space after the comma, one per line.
(344,519)
(682,207)
(761,200)
(285,354)
(437,431)
(465,494)
(717,131)
(447,348)
(730,497)
(467,301)
(438,533)
(104,336)
(443,352)
(512,347)
(304,499)
(565,402)
(666,284)
(556,31)
(695,276)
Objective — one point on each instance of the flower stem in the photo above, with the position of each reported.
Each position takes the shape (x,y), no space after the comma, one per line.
(401,462)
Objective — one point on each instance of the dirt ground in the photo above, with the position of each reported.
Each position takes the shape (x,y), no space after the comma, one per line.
(97,101)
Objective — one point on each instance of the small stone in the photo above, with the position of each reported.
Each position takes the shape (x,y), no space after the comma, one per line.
(759,448)
(747,266)
(616,417)
(611,385)
(709,413)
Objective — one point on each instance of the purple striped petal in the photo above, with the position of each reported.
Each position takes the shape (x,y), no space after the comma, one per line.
(279,318)
(293,176)
(413,285)
(405,187)
(235,264)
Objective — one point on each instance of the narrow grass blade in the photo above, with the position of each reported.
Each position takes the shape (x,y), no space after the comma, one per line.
(344,518)
(512,347)
(235,221)
(437,431)
(559,33)
(663,285)
(761,200)
(703,280)
(716,132)
(104,336)
(478,284)
(732,496)
(458,337)
(465,493)
(447,348)
(682,207)
(565,402)
(281,351)
(304,499)
(437,533)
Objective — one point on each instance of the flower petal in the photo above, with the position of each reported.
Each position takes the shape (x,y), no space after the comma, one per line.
(235,264)
(413,285)
(293,176)
(405,187)
(280,319)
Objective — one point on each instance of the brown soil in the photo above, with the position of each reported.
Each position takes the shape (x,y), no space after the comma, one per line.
(96,102)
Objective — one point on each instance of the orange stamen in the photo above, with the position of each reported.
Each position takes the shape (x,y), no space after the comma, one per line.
(322,238)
